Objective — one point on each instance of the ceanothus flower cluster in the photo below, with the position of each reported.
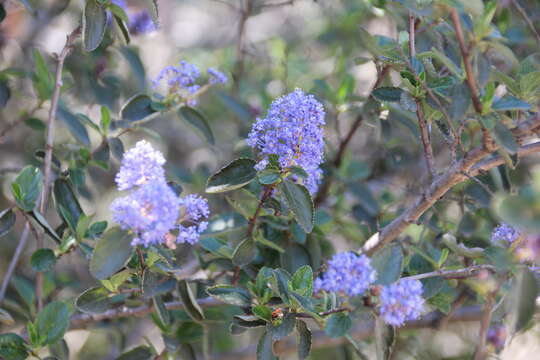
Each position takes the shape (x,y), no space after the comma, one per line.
(347,273)
(505,234)
(292,131)
(152,210)
(182,80)
(139,22)
(401,301)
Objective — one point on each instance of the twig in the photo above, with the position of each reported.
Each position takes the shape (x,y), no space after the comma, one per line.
(239,66)
(473,163)
(480,353)
(453,274)
(527,20)
(49,144)
(14,260)
(424,132)
(15,123)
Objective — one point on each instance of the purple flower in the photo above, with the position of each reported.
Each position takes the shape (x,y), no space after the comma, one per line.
(504,234)
(150,211)
(140,165)
(216,77)
(293,131)
(141,23)
(347,273)
(401,301)
(180,79)
(195,208)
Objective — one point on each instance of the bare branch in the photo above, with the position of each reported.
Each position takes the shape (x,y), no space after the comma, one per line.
(487,312)
(14,260)
(454,273)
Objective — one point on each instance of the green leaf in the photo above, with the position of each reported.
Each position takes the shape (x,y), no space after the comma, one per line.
(52,322)
(136,108)
(198,121)
(392,94)
(299,201)
(46,226)
(111,253)
(27,187)
(154,283)
(74,125)
(281,278)
(105,121)
(522,300)
(505,138)
(388,262)
(245,252)
(123,28)
(284,328)
(67,205)
(235,175)
(263,312)
(268,176)
(304,339)
(161,310)
(248,321)
(139,353)
(337,325)
(7,220)
(94,24)
(6,318)
(302,281)
(190,302)
(60,350)
(510,103)
(43,260)
(118,11)
(264,347)
(94,301)
(42,78)
(12,347)
(230,295)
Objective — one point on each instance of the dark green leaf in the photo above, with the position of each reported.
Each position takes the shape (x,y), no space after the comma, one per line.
(294,257)
(337,325)
(263,312)
(137,108)
(198,121)
(43,260)
(268,176)
(248,321)
(230,295)
(121,25)
(156,283)
(60,350)
(12,347)
(387,94)
(137,68)
(264,348)
(93,301)
(111,253)
(245,252)
(67,205)
(52,322)
(282,278)
(504,138)
(139,353)
(46,226)
(300,202)
(510,103)
(388,262)
(460,101)
(27,187)
(284,328)
(239,109)
(235,175)
(116,147)
(190,302)
(94,24)
(5,92)
(161,310)
(522,300)
(304,339)
(74,125)
(7,220)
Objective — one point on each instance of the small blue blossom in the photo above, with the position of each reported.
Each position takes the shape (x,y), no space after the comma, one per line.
(141,23)
(505,234)
(216,77)
(195,208)
(150,211)
(401,301)
(347,273)
(140,165)
(180,79)
(293,131)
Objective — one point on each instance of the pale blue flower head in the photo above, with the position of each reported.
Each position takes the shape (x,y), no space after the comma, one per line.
(347,273)
(195,210)
(140,165)
(401,301)
(216,77)
(504,234)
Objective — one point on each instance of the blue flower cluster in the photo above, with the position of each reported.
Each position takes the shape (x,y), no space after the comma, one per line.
(401,301)
(140,22)
(292,130)
(182,80)
(347,273)
(504,234)
(152,210)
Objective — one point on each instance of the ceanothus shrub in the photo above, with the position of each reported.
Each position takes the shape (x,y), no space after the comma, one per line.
(318,191)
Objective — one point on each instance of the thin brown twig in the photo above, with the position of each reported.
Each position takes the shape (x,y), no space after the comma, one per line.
(453,273)
(527,20)
(487,312)
(14,260)
(49,144)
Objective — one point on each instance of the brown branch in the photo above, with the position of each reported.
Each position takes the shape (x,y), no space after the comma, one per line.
(487,312)
(14,260)
(527,20)
(49,144)
(454,273)
(472,164)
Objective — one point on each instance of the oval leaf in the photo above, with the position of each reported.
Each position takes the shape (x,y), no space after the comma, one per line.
(93,301)
(245,252)
(300,202)
(94,24)
(235,175)
(190,303)
(337,325)
(137,108)
(304,339)
(198,121)
(111,253)
(12,346)
(67,205)
(43,260)
(387,94)
(52,322)
(388,262)
(230,295)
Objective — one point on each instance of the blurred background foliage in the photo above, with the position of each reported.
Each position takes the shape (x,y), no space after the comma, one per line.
(338,50)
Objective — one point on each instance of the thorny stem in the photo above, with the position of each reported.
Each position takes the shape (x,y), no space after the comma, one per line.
(49,144)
